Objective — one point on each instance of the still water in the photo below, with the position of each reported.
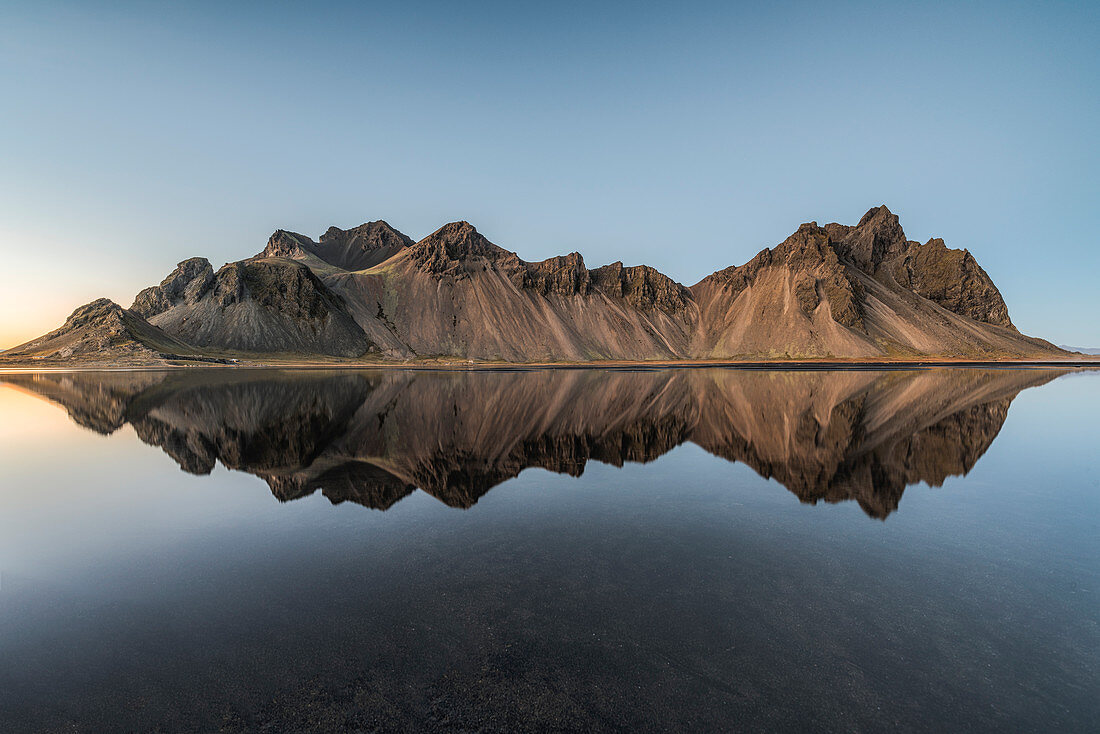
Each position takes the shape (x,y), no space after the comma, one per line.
(693,549)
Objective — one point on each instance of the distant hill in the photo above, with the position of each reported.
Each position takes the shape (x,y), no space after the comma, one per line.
(1082,350)
(371,292)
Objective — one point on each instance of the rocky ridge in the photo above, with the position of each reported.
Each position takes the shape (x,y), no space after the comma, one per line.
(370,292)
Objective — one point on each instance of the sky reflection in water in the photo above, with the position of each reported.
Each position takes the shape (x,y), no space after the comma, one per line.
(668,573)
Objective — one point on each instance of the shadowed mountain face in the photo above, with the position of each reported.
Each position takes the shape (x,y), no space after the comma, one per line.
(373,437)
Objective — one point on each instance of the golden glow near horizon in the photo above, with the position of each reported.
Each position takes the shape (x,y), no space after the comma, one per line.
(24,416)
(12,335)
(25,318)
(43,281)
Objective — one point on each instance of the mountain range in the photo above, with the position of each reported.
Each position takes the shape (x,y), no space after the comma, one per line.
(372,294)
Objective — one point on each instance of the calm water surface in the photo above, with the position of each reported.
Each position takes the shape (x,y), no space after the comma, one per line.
(695,549)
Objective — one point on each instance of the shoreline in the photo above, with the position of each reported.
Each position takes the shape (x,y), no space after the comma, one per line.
(464,366)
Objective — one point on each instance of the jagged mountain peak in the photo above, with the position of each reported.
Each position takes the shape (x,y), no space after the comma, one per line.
(642,286)
(286,237)
(799,288)
(562,275)
(880,213)
(358,248)
(877,238)
(362,247)
(807,239)
(191,279)
(283,243)
(377,228)
(100,310)
(807,245)
(453,232)
(460,241)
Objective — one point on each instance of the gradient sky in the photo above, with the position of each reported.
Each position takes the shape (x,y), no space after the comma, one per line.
(685,136)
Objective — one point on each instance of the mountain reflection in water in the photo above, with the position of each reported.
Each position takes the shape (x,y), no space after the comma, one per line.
(374,436)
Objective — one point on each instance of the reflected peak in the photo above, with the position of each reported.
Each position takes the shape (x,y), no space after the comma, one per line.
(372,437)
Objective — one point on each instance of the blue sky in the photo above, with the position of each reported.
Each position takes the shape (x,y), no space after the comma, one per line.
(687,136)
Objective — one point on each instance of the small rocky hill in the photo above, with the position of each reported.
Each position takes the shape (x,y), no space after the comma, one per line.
(102,332)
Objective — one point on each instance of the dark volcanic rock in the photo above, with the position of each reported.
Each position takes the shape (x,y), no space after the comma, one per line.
(805,290)
(357,482)
(878,237)
(642,287)
(267,305)
(564,275)
(950,278)
(457,248)
(290,245)
(954,280)
(186,284)
(294,291)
